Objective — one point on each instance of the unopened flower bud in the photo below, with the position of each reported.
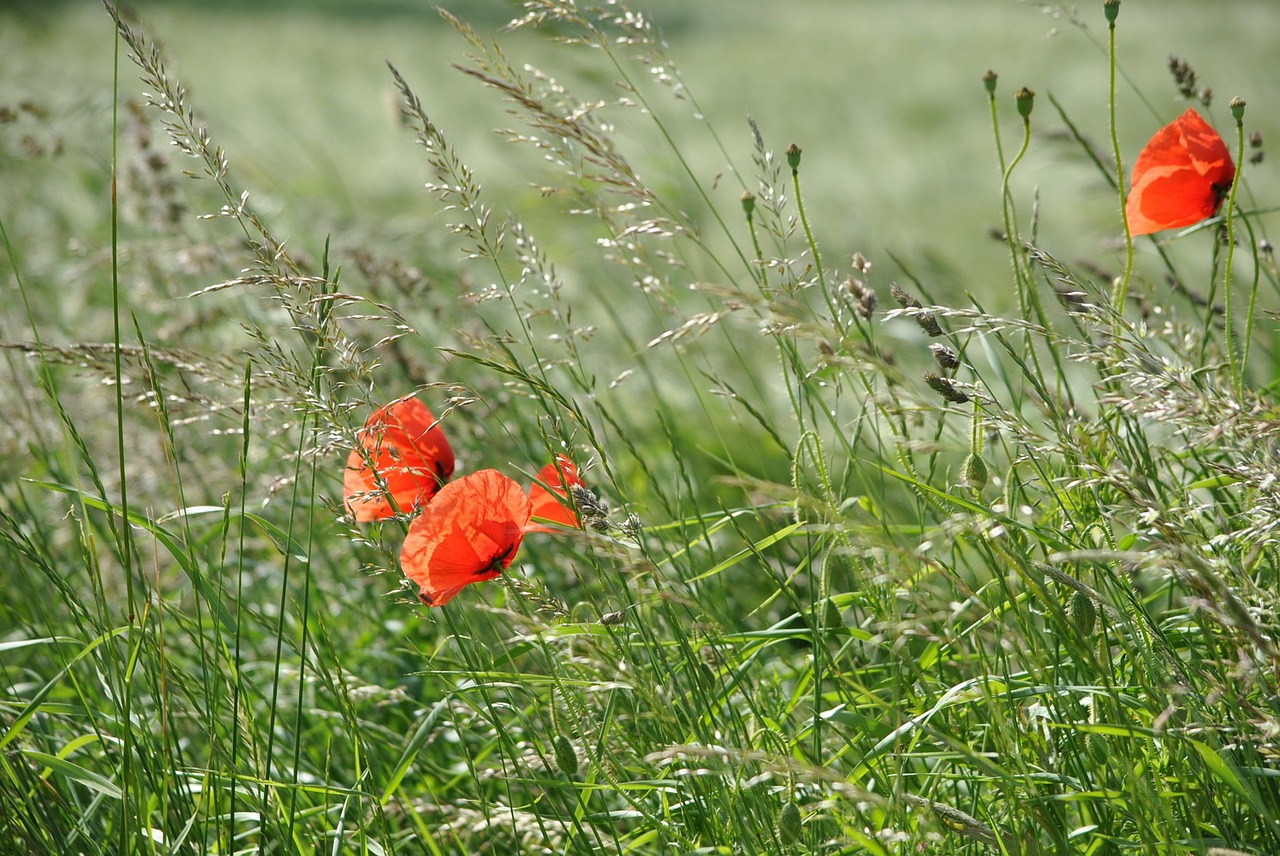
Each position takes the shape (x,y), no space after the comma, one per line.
(566,755)
(793,156)
(790,824)
(1082,612)
(975,472)
(1024,99)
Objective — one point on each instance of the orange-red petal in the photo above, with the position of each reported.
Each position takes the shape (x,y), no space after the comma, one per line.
(411,458)
(469,533)
(1180,177)
(550,494)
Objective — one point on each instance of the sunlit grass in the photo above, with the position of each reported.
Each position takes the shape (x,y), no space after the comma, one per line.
(852,594)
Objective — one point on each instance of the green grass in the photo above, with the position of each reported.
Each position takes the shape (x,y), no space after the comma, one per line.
(811,624)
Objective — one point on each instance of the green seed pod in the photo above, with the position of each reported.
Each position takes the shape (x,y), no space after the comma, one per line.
(831,617)
(1111,8)
(566,756)
(1237,108)
(789,824)
(1024,99)
(1082,612)
(1096,745)
(748,200)
(793,156)
(975,472)
(989,81)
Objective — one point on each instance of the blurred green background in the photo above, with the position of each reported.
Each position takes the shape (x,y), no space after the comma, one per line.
(885,98)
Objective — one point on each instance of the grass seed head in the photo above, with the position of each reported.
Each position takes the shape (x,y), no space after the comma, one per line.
(945,388)
(946,358)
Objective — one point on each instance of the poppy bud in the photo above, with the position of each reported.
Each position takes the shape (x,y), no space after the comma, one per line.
(831,617)
(975,472)
(566,756)
(989,81)
(1024,99)
(1111,8)
(748,200)
(1082,612)
(789,824)
(1237,108)
(793,156)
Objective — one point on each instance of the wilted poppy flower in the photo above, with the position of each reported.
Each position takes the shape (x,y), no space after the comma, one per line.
(1180,177)
(469,533)
(550,494)
(410,459)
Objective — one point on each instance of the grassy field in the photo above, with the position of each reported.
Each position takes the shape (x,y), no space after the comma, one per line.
(840,592)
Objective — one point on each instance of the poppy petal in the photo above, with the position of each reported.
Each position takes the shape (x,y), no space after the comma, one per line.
(550,494)
(1180,177)
(402,460)
(470,532)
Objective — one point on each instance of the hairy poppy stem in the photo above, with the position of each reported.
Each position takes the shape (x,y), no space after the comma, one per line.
(1121,293)
(1236,364)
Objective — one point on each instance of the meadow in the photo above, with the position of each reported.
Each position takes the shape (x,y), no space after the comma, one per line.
(923,509)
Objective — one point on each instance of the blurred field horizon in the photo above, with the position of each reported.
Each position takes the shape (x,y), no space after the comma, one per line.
(885,99)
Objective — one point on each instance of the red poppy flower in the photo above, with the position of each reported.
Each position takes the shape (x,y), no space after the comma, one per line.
(1180,177)
(469,533)
(550,494)
(410,458)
